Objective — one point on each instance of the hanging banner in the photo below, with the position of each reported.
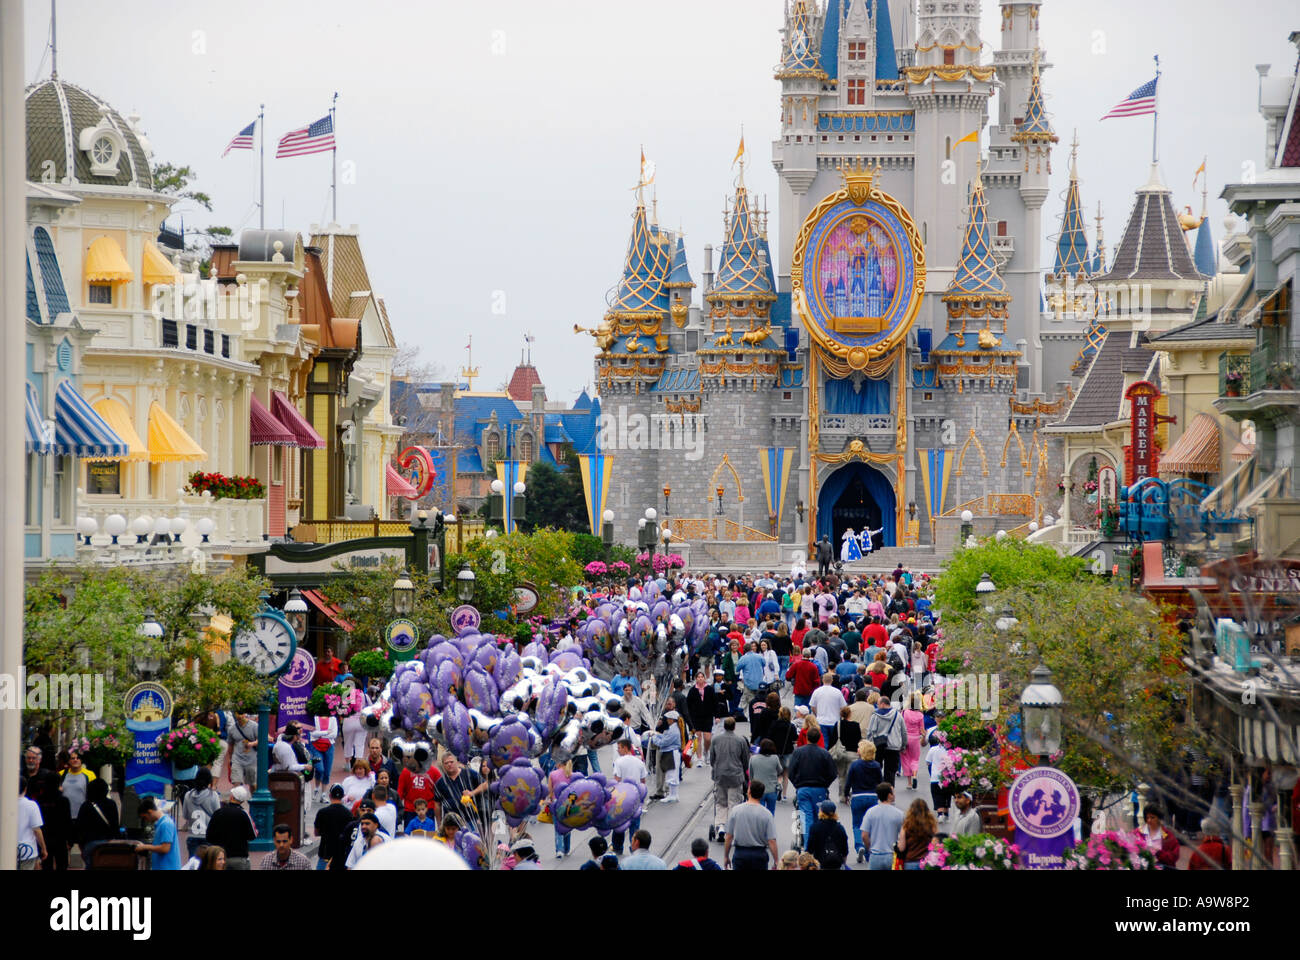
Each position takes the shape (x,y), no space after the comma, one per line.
(294,688)
(596,469)
(1044,804)
(1142,397)
(936,467)
(148,709)
(775,463)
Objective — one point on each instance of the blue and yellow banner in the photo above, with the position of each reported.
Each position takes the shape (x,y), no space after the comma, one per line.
(775,462)
(510,472)
(596,469)
(936,467)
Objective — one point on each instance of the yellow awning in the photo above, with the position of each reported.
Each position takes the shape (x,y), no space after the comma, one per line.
(1196,451)
(168,441)
(156,267)
(105,262)
(117,416)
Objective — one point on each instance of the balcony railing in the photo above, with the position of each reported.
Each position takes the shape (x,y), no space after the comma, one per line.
(1275,368)
(179,335)
(858,424)
(1234,374)
(236,523)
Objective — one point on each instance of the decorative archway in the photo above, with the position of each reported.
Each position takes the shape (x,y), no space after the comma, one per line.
(857,495)
(1014,434)
(726,464)
(961,457)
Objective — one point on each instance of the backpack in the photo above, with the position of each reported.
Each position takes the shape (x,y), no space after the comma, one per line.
(894,661)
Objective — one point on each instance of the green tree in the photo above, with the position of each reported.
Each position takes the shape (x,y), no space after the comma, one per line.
(88,619)
(1113,655)
(1010,563)
(175,182)
(555,499)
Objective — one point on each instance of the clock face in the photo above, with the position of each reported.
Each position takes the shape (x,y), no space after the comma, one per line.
(267,647)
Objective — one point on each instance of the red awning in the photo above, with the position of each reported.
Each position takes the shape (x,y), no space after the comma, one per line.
(263,428)
(297,424)
(398,485)
(317,600)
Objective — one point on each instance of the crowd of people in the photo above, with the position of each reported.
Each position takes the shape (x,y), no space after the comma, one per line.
(811,690)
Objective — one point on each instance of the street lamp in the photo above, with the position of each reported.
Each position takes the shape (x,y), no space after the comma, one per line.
(985,585)
(607,531)
(966,526)
(465,584)
(86,526)
(295,609)
(115,526)
(148,664)
(496,509)
(205,527)
(518,505)
(719,493)
(1041,707)
(141,526)
(667,493)
(1007,620)
(403,595)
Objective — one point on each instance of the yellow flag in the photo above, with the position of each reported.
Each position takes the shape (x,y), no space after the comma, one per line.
(1199,170)
(740,152)
(972,137)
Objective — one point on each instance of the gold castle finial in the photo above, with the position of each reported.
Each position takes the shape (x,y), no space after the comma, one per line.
(858,176)
(469,371)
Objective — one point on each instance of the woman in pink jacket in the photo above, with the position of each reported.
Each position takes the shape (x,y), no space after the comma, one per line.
(914,723)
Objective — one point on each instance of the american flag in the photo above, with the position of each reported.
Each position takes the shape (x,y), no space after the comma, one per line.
(1140,101)
(318,138)
(243,140)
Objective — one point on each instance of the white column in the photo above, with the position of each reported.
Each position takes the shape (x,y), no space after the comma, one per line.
(13,159)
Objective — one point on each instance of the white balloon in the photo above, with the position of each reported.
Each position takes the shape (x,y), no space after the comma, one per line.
(411,853)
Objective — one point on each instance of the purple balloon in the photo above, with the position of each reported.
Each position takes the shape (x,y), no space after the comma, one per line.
(623,802)
(642,631)
(519,791)
(487,657)
(448,651)
(511,741)
(471,850)
(538,650)
(446,681)
(568,659)
(480,690)
(508,667)
(579,804)
(598,642)
(660,608)
(455,728)
(550,707)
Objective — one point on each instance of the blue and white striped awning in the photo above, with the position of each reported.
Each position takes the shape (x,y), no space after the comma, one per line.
(80,431)
(37,439)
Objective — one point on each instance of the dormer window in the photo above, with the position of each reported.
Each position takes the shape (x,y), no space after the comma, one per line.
(103,152)
(104,147)
(857,50)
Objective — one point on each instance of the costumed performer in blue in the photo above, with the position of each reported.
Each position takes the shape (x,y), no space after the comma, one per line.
(867,536)
(849,550)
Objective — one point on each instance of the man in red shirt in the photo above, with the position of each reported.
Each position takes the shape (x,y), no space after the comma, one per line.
(414,785)
(327,668)
(806,676)
(874,634)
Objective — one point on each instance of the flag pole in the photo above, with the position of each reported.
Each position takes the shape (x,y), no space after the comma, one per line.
(1155,114)
(334,154)
(261,163)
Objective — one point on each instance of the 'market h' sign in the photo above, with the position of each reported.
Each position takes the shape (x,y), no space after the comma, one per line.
(1142,397)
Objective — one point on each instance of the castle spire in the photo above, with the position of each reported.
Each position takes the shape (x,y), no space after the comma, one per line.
(1072,244)
(977,277)
(798,55)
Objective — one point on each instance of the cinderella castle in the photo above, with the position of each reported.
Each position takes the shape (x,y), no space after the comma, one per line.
(883,353)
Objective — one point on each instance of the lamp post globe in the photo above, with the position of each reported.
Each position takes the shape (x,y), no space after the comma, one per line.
(985,586)
(1041,707)
(295,609)
(465,584)
(403,595)
(651,513)
(497,487)
(520,488)
(608,516)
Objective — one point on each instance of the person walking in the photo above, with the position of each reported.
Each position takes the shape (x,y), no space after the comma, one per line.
(729,759)
(966,822)
(885,730)
(880,828)
(324,732)
(826,702)
(667,739)
(31,833)
(97,821)
(919,828)
(848,734)
(701,704)
(804,676)
(765,767)
(812,771)
(751,833)
(827,840)
(864,776)
(628,766)
(1213,853)
(197,808)
(232,829)
(783,736)
(914,728)
(242,735)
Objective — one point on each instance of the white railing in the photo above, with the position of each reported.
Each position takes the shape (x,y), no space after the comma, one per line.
(858,423)
(235,523)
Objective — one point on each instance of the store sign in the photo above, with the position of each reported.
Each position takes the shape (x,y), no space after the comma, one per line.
(1044,803)
(371,558)
(1142,398)
(527,598)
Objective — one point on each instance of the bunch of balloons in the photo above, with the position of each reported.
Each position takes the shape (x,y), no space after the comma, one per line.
(593,801)
(645,634)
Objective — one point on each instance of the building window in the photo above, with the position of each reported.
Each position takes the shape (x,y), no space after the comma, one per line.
(949,58)
(277,464)
(101,293)
(526,447)
(493,446)
(33,490)
(947,148)
(857,92)
(856,138)
(60,488)
(104,478)
(1002,228)
(787,395)
(929,396)
(857,50)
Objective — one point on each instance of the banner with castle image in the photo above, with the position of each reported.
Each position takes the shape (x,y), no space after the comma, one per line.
(857,266)
(148,708)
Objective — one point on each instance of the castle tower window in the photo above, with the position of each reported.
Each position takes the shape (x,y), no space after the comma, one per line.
(857,50)
(857,89)
(493,446)
(949,58)
(947,148)
(526,447)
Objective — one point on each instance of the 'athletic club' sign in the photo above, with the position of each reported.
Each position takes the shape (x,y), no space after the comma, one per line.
(1142,397)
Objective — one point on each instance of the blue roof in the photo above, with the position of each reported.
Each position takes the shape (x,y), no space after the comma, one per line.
(1094,337)
(951,344)
(886,58)
(582,425)
(468,461)
(799,54)
(740,272)
(977,271)
(641,290)
(583,402)
(1072,245)
(679,380)
(680,274)
(830,47)
(473,412)
(1035,120)
(56,296)
(780,313)
(555,431)
(33,305)
(1205,255)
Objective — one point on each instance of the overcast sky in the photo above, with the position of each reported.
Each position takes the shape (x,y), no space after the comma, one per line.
(494,145)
